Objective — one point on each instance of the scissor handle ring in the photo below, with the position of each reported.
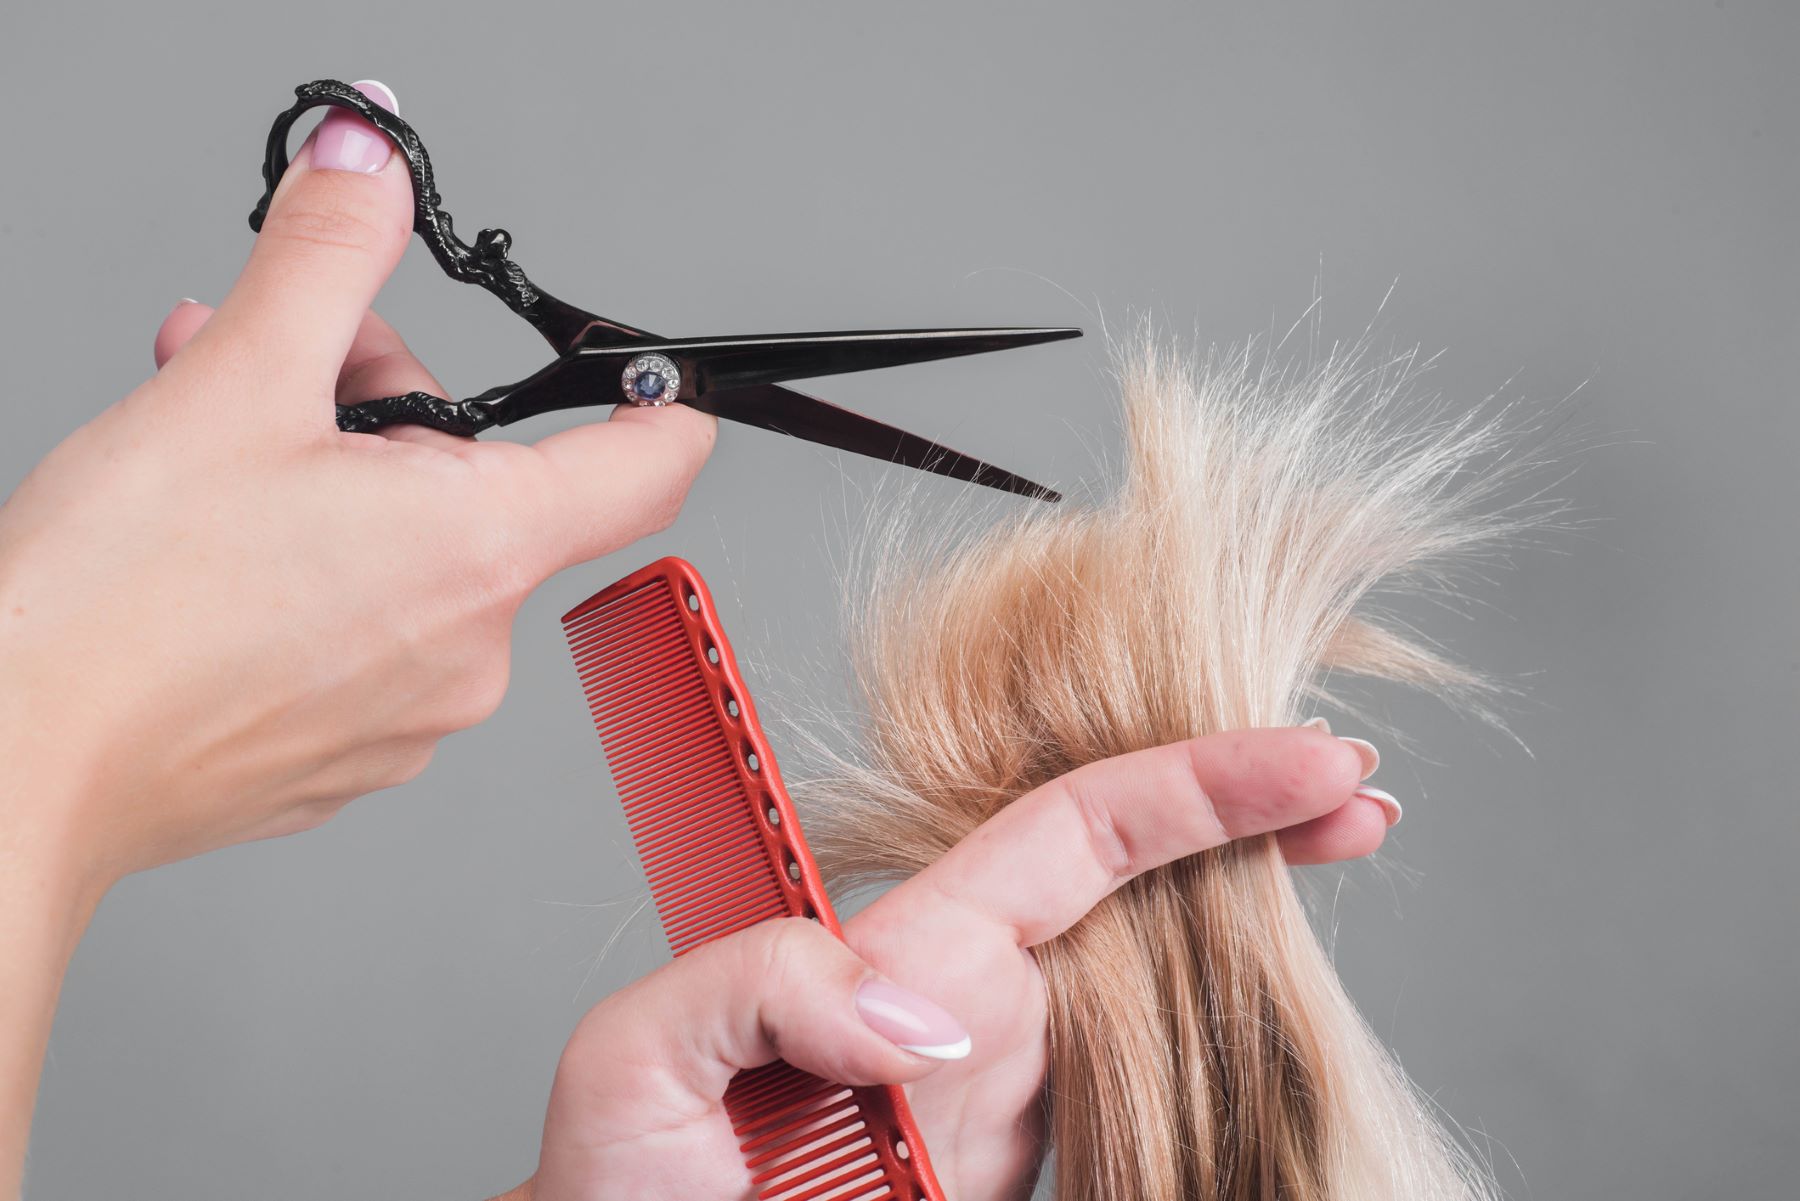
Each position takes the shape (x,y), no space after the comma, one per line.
(485,263)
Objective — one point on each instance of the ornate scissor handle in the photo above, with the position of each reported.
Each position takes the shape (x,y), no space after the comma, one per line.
(484,264)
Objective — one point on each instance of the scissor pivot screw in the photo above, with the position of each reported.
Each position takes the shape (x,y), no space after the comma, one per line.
(651,379)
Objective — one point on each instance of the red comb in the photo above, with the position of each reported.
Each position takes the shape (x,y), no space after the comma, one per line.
(722,849)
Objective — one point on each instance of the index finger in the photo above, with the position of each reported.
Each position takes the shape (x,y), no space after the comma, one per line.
(1037,867)
(597,487)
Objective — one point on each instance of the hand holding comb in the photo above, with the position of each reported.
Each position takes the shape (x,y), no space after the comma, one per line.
(722,850)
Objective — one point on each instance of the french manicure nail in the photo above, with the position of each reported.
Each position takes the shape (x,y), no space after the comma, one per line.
(1316,723)
(911,1022)
(1371,758)
(1386,800)
(187,300)
(346,142)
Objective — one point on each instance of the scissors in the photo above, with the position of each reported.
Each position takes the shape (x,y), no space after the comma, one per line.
(600,361)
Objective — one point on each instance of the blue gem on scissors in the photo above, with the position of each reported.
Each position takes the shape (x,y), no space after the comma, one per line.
(651,379)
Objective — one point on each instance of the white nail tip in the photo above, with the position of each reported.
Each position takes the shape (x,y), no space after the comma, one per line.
(392,103)
(1370,756)
(943,1050)
(1386,800)
(1316,723)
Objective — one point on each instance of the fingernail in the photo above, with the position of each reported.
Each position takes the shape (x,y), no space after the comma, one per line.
(1386,800)
(1371,758)
(1316,723)
(346,142)
(187,300)
(911,1022)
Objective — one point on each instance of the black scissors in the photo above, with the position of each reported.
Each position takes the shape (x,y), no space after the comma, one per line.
(606,362)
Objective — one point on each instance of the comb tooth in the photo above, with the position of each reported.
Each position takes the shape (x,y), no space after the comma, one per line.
(774,1123)
(768,1092)
(689,788)
(817,1167)
(779,1142)
(836,1188)
(729,877)
(715,865)
(734,897)
(743,913)
(676,773)
(711,761)
(697,831)
(800,1115)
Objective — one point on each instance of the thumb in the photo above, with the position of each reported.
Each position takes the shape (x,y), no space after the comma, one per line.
(660,1053)
(336,227)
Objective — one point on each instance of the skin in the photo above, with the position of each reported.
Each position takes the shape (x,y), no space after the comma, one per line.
(205,639)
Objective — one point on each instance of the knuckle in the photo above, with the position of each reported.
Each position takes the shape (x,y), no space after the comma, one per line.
(652,511)
(353,384)
(502,569)
(664,509)
(1199,769)
(490,692)
(521,528)
(1106,841)
(696,446)
(784,954)
(478,697)
(411,764)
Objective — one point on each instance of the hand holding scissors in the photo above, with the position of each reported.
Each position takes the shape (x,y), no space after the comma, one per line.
(601,361)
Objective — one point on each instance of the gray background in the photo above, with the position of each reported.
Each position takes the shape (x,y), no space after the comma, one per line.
(1588,956)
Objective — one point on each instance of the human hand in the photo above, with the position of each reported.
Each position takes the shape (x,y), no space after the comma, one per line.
(636,1109)
(220,617)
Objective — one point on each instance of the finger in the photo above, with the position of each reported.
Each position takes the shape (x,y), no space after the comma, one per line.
(1352,830)
(178,328)
(780,990)
(1038,866)
(380,364)
(335,229)
(610,483)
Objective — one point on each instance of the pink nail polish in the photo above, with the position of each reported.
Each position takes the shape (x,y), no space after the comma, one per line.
(1389,805)
(346,142)
(911,1022)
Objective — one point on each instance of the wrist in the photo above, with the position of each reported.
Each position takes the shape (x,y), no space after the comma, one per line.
(53,872)
(48,785)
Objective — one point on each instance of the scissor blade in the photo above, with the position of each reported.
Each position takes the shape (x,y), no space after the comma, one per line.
(748,360)
(786,411)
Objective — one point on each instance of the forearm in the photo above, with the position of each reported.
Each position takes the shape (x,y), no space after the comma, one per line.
(44,907)
(48,891)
